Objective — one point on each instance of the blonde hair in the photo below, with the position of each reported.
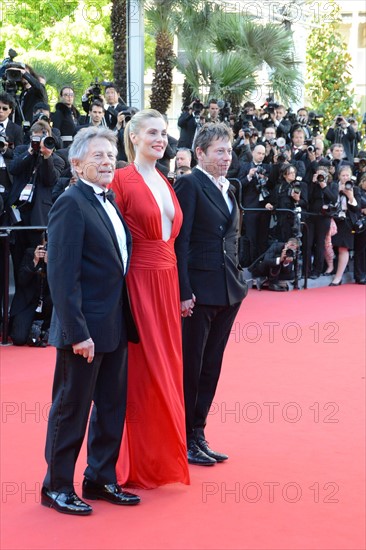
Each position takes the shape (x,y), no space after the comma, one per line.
(133,126)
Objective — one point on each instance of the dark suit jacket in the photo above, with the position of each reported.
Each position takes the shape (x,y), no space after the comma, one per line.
(85,272)
(187,125)
(15,134)
(207,245)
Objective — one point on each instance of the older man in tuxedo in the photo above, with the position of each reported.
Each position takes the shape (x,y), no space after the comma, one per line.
(89,248)
(211,283)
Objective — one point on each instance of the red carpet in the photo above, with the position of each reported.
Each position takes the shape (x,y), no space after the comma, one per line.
(289,411)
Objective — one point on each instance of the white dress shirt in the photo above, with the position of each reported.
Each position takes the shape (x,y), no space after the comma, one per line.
(222,185)
(115,220)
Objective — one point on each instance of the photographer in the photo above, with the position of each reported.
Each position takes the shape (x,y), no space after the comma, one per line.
(342,132)
(32,91)
(276,266)
(360,234)
(290,193)
(322,198)
(35,169)
(66,116)
(348,211)
(31,308)
(41,111)
(256,193)
(302,117)
(360,166)
(11,135)
(189,121)
(278,118)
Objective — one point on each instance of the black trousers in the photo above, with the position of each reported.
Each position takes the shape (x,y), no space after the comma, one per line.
(76,384)
(359,258)
(205,336)
(256,227)
(318,227)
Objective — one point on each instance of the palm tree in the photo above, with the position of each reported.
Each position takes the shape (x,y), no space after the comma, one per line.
(119,37)
(162,17)
(227,55)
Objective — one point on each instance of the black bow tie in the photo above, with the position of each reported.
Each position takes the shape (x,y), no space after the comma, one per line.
(109,194)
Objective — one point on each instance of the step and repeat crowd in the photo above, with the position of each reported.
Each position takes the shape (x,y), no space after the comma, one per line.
(287,170)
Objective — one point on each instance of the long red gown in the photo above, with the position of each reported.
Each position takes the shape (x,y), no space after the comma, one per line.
(153,450)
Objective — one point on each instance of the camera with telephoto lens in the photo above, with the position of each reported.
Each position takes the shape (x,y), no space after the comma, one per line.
(95,90)
(247,131)
(349,185)
(339,120)
(261,185)
(295,187)
(321,178)
(197,106)
(290,253)
(270,106)
(48,141)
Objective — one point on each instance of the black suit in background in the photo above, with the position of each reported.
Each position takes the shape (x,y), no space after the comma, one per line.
(256,224)
(188,126)
(86,279)
(207,256)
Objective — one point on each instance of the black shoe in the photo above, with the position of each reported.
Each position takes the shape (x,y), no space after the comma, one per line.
(203,445)
(314,275)
(276,288)
(111,492)
(361,282)
(66,503)
(196,456)
(336,284)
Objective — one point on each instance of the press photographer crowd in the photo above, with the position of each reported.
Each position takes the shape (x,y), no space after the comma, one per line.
(287,169)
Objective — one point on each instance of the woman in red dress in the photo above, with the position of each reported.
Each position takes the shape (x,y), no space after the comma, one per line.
(153,449)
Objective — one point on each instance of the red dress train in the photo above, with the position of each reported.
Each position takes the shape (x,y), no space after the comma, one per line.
(153,450)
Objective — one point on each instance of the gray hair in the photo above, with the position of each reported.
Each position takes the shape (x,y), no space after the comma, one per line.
(211,132)
(80,145)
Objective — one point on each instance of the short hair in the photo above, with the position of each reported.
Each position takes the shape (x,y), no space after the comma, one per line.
(66,86)
(79,147)
(286,168)
(302,109)
(249,105)
(213,101)
(297,128)
(41,126)
(185,150)
(332,147)
(344,167)
(362,179)
(211,132)
(295,241)
(112,85)
(133,126)
(7,99)
(41,105)
(96,103)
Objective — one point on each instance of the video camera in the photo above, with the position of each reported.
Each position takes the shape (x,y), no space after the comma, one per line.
(315,123)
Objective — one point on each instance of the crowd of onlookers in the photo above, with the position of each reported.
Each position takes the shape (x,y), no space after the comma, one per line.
(286,169)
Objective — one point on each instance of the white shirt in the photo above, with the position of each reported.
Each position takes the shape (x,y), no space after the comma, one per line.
(3,128)
(222,185)
(116,222)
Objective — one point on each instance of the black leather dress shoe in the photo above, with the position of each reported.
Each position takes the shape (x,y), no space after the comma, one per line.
(276,287)
(66,503)
(361,282)
(203,445)
(198,457)
(111,492)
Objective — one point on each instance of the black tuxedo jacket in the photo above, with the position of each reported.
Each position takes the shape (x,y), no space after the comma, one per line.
(14,132)
(207,245)
(85,272)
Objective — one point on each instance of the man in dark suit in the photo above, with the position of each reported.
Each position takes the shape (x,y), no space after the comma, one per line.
(211,284)
(257,190)
(89,248)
